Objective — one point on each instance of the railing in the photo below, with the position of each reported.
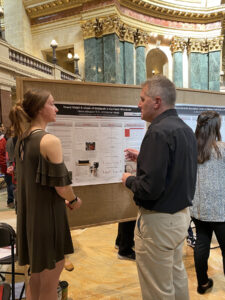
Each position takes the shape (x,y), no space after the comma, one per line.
(24,64)
(29,62)
(65,76)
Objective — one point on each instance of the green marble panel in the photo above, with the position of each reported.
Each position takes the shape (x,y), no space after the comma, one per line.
(109,57)
(198,71)
(129,63)
(90,52)
(140,65)
(214,70)
(99,59)
(121,63)
(178,69)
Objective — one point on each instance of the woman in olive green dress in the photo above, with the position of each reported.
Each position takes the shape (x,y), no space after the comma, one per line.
(43,188)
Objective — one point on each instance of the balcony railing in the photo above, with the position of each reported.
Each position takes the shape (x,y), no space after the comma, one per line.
(66,76)
(29,62)
(50,71)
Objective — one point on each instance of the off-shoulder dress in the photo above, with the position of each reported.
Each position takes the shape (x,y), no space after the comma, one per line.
(43,235)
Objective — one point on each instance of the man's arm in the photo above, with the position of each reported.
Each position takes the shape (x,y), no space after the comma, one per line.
(150,182)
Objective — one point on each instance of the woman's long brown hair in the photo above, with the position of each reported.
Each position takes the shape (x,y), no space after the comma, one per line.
(208,133)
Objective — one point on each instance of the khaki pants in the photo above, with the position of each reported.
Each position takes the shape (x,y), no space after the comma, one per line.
(159,241)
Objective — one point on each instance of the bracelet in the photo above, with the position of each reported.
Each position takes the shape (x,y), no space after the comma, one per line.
(74,200)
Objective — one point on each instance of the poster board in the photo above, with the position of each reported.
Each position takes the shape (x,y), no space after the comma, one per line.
(106,203)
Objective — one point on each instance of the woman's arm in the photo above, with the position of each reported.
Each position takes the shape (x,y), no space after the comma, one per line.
(51,149)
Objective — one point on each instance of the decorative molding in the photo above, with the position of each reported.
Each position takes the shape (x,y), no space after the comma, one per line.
(140,38)
(113,24)
(169,11)
(197,45)
(157,9)
(204,45)
(215,44)
(178,44)
(126,33)
(39,9)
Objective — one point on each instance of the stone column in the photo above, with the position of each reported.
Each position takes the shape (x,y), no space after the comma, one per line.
(140,39)
(102,50)
(5,106)
(111,58)
(91,52)
(177,47)
(109,50)
(198,64)
(128,63)
(215,48)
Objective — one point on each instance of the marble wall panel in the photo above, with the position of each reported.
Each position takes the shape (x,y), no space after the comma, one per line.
(99,60)
(90,49)
(129,63)
(214,70)
(178,69)
(109,57)
(140,65)
(204,71)
(198,71)
(120,66)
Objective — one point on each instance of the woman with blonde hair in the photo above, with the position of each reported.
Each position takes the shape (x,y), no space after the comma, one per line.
(43,188)
(208,211)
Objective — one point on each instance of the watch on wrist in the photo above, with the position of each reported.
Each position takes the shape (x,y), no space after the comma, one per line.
(74,200)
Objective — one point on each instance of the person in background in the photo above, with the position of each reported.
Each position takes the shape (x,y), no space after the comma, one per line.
(191,238)
(208,211)
(163,190)
(125,240)
(43,191)
(3,168)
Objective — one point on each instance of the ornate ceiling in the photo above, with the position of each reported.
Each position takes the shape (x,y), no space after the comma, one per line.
(184,11)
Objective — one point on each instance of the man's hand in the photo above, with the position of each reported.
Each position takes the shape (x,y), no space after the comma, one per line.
(131,154)
(125,176)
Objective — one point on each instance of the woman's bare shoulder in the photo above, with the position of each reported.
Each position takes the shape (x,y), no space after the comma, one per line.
(51,148)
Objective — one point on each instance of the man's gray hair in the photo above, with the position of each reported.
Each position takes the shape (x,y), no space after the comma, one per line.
(162,87)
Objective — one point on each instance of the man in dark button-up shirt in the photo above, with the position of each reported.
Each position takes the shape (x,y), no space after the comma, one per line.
(163,189)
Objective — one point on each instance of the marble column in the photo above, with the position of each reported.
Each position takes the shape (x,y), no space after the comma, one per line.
(91,47)
(198,64)
(128,63)
(177,47)
(198,71)
(204,60)
(140,65)
(109,51)
(111,58)
(178,69)
(214,70)
(121,63)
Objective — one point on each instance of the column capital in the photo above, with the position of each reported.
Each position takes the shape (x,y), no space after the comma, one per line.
(215,44)
(112,24)
(126,33)
(197,45)
(140,38)
(177,44)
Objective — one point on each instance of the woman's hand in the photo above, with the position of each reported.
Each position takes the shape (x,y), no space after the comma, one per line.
(74,205)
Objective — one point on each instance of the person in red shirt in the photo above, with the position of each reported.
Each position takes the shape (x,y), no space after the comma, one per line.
(3,168)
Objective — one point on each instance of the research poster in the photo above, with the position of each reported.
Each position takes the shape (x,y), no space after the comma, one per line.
(189,113)
(94,137)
